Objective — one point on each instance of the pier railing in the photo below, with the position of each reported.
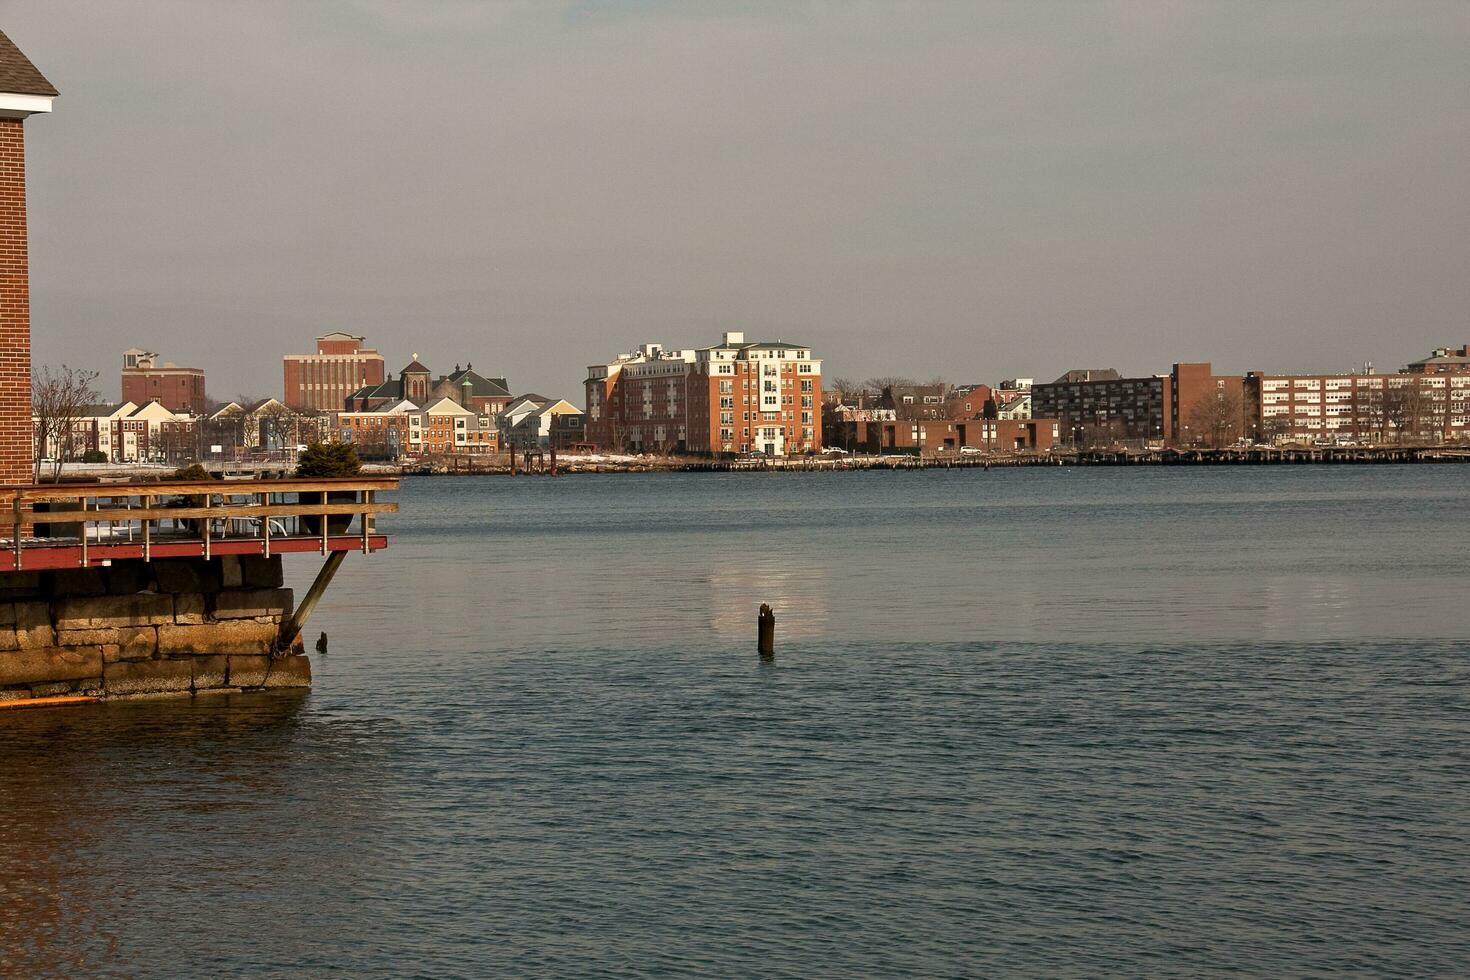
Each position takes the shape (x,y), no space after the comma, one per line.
(68,526)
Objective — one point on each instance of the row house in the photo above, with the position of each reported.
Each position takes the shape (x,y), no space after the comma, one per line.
(127,433)
(735,396)
(536,422)
(264,426)
(441,427)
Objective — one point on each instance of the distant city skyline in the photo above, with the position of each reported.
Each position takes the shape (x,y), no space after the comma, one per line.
(977,190)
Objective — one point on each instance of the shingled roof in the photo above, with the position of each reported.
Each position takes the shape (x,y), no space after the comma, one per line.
(18,75)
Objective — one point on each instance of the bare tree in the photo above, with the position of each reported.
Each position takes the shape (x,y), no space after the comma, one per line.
(58,398)
(886,381)
(843,388)
(1409,408)
(1216,417)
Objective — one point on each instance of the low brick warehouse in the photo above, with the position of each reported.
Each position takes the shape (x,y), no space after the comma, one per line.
(170,626)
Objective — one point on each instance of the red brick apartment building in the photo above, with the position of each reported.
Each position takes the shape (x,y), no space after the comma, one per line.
(23,91)
(322,381)
(1416,405)
(144,380)
(1101,405)
(736,396)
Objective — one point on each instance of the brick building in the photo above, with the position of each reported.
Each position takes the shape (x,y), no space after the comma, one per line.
(733,397)
(925,436)
(1101,406)
(23,91)
(1444,360)
(322,381)
(129,433)
(1413,406)
(144,380)
(463,386)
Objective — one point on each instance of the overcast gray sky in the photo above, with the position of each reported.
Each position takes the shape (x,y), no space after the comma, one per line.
(974,190)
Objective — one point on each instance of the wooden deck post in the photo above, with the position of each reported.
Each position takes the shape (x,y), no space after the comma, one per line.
(766,632)
(292,626)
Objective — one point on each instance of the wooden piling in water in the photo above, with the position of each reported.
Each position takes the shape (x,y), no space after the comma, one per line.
(765,627)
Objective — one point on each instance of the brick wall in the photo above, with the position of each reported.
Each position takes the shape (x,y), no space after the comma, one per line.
(15,310)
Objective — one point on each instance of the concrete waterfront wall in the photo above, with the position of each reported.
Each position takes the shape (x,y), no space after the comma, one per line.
(171,626)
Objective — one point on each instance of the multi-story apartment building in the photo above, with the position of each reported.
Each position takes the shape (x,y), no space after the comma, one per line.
(736,396)
(1412,406)
(1101,405)
(144,380)
(322,381)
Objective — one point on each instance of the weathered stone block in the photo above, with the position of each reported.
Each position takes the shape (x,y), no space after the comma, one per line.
(118,643)
(53,688)
(127,577)
(78,581)
(186,575)
(261,572)
(33,630)
(210,671)
(232,573)
(250,603)
(19,694)
(236,636)
(289,672)
(248,671)
(189,609)
(94,612)
(147,677)
(48,664)
(8,638)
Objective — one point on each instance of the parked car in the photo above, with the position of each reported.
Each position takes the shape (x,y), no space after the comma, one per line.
(834,451)
(970,450)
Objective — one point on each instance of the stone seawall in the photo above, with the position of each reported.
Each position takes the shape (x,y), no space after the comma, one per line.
(172,626)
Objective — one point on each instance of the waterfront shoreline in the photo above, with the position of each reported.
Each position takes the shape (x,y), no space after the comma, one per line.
(570,465)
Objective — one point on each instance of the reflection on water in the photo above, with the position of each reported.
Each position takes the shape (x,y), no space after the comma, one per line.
(1048,723)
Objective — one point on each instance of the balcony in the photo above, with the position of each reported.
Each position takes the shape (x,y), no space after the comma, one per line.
(82,525)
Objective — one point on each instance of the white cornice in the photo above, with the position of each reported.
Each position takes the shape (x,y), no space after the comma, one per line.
(16,106)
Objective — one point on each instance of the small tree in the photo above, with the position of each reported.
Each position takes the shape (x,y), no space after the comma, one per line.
(328,459)
(58,398)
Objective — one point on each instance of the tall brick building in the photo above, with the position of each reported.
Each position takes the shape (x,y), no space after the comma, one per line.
(322,381)
(144,380)
(732,397)
(23,91)
(1100,405)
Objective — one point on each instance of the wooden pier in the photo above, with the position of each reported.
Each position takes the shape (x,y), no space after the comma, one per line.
(92,524)
(150,589)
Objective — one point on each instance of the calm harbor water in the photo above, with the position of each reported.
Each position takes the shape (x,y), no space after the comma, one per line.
(1046,722)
